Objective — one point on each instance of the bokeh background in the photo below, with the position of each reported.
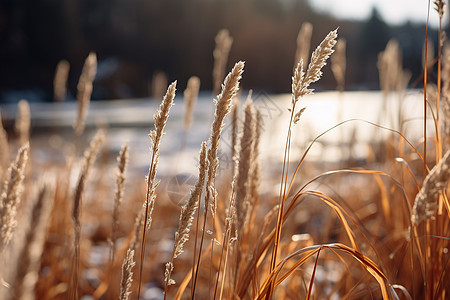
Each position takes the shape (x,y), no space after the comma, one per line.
(134,39)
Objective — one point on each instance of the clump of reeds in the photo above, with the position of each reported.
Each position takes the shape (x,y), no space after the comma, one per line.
(11,196)
(223,46)
(60,80)
(84,88)
(23,122)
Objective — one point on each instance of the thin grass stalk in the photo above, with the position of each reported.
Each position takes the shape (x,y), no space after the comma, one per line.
(187,217)
(425,79)
(155,135)
(122,162)
(440,9)
(223,102)
(88,160)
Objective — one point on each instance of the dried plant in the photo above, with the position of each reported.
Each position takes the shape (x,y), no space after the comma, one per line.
(11,196)
(303,43)
(122,162)
(29,256)
(60,80)
(84,88)
(426,202)
(390,66)
(127,275)
(190,98)
(223,46)
(23,122)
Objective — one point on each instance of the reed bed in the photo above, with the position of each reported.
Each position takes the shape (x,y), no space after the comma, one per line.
(378,231)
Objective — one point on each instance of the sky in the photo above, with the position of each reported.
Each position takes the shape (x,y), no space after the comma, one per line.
(395,12)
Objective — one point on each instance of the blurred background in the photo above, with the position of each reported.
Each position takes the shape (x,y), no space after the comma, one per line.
(136,39)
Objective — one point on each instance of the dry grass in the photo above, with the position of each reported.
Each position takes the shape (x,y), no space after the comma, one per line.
(349,233)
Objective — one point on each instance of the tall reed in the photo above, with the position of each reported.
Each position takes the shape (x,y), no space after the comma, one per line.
(223,103)
(155,135)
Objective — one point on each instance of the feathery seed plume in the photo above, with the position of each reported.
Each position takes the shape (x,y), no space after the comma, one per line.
(223,106)
(426,201)
(11,194)
(127,275)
